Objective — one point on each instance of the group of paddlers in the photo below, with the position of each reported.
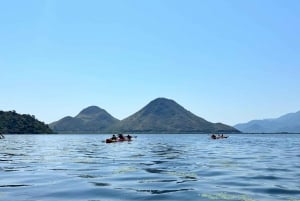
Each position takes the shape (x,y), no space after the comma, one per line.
(120,138)
(219,136)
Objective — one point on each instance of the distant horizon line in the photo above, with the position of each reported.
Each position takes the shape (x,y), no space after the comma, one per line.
(169,99)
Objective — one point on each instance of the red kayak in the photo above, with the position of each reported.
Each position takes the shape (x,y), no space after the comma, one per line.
(118,140)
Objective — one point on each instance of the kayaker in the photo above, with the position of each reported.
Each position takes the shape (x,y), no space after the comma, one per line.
(121,137)
(1,136)
(129,137)
(114,137)
(213,136)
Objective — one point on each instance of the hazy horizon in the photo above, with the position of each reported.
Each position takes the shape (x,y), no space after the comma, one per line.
(225,61)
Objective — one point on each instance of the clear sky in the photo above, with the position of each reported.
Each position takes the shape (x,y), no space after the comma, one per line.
(227,61)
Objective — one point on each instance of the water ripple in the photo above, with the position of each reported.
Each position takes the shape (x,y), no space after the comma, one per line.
(152,167)
(163,191)
(13,185)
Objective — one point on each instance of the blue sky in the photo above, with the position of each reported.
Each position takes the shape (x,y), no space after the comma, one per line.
(226,61)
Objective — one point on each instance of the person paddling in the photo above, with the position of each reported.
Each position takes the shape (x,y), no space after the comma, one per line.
(121,137)
(113,138)
(129,137)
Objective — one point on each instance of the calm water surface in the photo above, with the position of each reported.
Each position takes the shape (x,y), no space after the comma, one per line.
(152,167)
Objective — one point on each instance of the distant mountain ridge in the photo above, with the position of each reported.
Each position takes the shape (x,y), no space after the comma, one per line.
(159,116)
(289,123)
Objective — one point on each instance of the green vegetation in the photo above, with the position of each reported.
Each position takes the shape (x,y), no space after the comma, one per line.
(159,116)
(90,120)
(166,116)
(14,123)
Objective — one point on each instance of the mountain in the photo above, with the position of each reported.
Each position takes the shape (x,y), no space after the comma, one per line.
(287,123)
(159,116)
(90,120)
(166,116)
(14,123)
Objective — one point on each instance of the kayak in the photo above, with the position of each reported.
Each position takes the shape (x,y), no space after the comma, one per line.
(219,137)
(118,140)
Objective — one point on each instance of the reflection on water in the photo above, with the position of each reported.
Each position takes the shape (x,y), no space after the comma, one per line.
(152,167)
(227,196)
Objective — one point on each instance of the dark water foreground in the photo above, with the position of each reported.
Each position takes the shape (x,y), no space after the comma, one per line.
(152,167)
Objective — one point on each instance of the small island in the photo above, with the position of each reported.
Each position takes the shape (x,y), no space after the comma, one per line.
(14,123)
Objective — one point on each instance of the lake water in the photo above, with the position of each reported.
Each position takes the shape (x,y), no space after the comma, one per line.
(152,167)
